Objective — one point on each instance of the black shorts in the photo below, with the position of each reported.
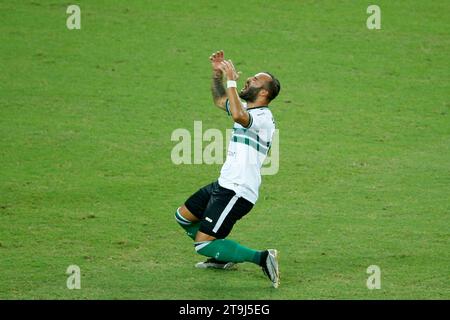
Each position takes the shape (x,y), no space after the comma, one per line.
(218,209)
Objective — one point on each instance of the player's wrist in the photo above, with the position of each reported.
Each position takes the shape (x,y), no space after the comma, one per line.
(231,77)
(231,84)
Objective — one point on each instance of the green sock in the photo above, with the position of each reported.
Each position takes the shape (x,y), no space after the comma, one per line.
(190,227)
(228,251)
(191,230)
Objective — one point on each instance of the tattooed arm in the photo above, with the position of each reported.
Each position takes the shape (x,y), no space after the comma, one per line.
(218,91)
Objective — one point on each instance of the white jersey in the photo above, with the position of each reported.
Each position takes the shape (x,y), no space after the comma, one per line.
(247,151)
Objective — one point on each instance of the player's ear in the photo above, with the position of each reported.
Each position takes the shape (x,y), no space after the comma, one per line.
(264,93)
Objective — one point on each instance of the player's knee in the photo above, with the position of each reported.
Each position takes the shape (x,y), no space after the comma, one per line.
(186,214)
(202,237)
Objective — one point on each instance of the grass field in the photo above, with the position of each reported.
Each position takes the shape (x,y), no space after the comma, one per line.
(86,176)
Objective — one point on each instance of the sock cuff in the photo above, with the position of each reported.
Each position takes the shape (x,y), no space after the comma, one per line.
(200,245)
(180,219)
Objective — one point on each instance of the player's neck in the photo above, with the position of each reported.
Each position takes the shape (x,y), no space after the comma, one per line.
(257,104)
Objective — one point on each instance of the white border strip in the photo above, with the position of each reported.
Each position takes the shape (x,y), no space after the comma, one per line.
(201,245)
(225,212)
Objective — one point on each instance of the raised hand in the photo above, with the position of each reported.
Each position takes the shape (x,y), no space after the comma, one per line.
(216,60)
(228,69)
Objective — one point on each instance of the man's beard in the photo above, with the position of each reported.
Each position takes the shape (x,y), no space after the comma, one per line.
(250,94)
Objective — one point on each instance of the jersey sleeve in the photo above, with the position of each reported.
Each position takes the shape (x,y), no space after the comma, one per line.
(227,106)
(258,120)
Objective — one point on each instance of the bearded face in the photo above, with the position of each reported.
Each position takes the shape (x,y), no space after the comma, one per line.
(253,86)
(249,94)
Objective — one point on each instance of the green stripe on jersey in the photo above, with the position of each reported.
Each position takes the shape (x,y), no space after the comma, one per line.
(251,134)
(250,142)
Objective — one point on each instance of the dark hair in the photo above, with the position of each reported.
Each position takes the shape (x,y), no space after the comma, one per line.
(273,87)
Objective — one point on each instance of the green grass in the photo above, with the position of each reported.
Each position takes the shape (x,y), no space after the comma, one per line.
(86,176)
